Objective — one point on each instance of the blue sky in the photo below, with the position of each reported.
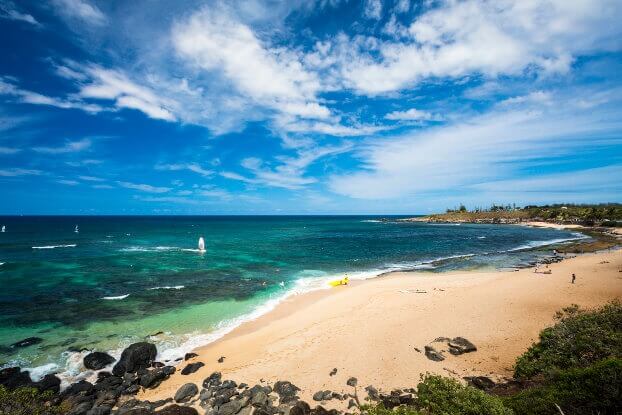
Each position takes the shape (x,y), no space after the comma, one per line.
(299,107)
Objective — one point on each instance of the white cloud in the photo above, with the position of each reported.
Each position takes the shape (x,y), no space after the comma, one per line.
(290,172)
(587,181)
(81,163)
(80,10)
(271,77)
(9,150)
(412,114)
(9,11)
(108,84)
(91,179)
(476,36)
(68,182)
(373,9)
(16,171)
(193,167)
(7,87)
(144,187)
(488,147)
(68,147)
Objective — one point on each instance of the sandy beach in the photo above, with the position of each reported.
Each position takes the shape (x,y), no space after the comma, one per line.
(373,329)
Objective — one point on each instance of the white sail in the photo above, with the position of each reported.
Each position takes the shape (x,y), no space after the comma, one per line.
(76,229)
(3,228)
(201,244)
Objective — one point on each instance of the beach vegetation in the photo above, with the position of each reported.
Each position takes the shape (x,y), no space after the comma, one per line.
(439,395)
(27,401)
(574,368)
(579,339)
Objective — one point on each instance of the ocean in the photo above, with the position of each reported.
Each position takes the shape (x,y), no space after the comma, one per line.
(118,280)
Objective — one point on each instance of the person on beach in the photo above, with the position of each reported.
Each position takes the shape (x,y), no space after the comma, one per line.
(574,277)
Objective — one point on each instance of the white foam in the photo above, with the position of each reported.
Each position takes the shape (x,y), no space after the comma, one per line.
(118,297)
(539,244)
(481,237)
(54,246)
(166,287)
(1,263)
(37,373)
(371,221)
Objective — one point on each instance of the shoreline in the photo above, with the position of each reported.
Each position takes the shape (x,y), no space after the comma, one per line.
(304,337)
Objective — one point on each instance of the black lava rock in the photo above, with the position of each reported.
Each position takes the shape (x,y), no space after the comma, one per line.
(137,356)
(13,377)
(191,368)
(97,360)
(27,342)
(186,392)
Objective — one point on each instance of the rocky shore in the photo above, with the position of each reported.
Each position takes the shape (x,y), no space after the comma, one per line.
(114,392)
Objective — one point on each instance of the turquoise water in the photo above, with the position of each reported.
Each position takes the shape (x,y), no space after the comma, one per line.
(122,279)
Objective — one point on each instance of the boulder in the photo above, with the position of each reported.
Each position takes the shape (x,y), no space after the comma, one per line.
(100,410)
(137,356)
(177,410)
(212,380)
(80,388)
(154,377)
(259,399)
(333,372)
(300,408)
(480,382)
(390,401)
(230,408)
(97,360)
(26,342)
(49,382)
(372,393)
(13,377)
(285,388)
(460,345)
(186,392)
(352,382)
(190,356)
(318,396)
(433,354)
(191,368)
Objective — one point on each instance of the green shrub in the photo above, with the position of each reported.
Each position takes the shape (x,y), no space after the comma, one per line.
(596,389)
(579,339)
(26,401)
(437,395)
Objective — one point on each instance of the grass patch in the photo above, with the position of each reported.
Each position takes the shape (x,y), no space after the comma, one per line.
(27,401)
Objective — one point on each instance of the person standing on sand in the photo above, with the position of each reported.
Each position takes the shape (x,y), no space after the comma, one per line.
(574,277)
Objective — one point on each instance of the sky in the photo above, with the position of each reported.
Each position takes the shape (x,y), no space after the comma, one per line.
(307,106)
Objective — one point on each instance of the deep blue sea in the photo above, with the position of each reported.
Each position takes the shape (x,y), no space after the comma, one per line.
(123,279)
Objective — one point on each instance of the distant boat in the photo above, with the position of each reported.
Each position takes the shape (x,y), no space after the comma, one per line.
(201,244)
(3,228)
(76,229)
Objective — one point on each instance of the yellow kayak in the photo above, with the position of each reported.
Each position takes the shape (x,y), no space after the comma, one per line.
(336,283)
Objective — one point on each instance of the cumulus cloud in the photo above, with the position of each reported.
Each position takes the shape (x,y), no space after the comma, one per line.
(412,114)
(476,36)
(373,9)
(214,40)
